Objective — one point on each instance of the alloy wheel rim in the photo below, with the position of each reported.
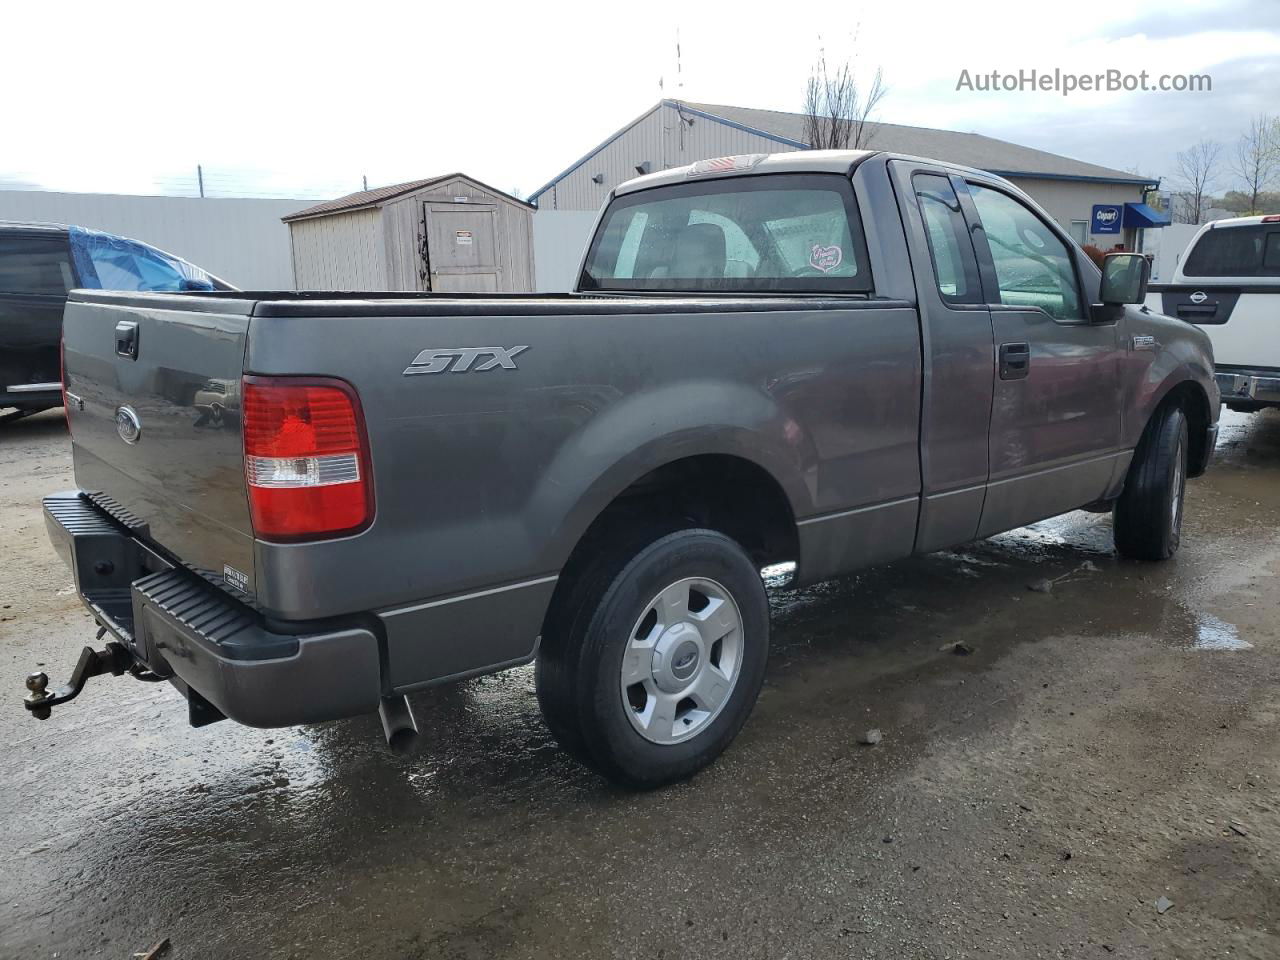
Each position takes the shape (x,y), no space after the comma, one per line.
(682,660)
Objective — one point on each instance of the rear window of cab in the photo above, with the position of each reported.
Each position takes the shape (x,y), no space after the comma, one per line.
(773,233)
(1252,251)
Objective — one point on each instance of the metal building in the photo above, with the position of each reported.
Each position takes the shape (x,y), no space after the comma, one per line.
(674,133)
(447,234)
(239,239)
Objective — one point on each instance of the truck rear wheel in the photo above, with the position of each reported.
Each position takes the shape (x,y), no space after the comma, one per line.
(1148,515)
(657,658)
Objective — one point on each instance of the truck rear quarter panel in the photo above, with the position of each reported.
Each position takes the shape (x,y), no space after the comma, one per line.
(486,479)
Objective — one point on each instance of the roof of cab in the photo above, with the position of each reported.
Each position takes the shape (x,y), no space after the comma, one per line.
(32,226)
(805,161)
(1242,221)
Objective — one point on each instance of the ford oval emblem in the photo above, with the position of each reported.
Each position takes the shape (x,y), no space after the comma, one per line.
(128,425)
(1198,297)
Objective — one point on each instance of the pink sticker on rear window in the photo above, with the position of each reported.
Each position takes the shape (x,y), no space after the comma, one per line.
(825,259)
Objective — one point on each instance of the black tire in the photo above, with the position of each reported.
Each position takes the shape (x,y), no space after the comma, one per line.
(580,661)
(1148,515)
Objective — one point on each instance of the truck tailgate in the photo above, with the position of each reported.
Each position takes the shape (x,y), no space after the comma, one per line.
(1241,320)
(153,402)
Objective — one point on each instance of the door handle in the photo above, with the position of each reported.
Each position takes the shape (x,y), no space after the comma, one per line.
(1015,361)
(127,339)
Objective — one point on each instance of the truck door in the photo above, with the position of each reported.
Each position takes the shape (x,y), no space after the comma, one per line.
(462,247)
(1056,410)
(958,365)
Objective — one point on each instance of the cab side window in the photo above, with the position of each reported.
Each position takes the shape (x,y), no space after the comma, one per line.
(1033,267)
(35,266)
(955,271)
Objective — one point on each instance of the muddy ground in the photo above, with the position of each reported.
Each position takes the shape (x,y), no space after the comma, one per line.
(1108,743)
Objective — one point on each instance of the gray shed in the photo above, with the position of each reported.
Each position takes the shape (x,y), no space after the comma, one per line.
(447,234)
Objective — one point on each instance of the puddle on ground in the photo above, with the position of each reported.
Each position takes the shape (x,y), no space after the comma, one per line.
(1189,629)
(778,575)
(1214,634)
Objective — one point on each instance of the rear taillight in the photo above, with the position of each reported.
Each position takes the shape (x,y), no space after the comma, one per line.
(306,458)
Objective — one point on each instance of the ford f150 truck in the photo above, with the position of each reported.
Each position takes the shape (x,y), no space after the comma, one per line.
(832,358)
(1229,283)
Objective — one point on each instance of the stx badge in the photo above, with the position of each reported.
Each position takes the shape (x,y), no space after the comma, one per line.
(461,359)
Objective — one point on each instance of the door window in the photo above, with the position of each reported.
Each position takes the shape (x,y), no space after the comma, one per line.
(781,233)
(955,270)
(35,266)
(1033,266)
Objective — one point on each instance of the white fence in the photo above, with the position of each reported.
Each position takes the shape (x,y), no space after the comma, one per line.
(559,239)
(240,240)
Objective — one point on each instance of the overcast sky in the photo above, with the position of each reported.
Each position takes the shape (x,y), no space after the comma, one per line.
(305,99)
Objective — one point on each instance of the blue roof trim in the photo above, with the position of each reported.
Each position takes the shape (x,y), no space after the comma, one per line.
(1029,175)
(591,153)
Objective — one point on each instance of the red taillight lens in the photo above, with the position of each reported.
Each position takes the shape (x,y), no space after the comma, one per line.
(306,458)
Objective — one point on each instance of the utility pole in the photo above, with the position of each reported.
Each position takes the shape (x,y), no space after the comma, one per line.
(200,179)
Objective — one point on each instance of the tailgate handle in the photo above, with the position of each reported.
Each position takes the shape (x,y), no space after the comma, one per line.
(1015,361)
(1187,311)
(127,339)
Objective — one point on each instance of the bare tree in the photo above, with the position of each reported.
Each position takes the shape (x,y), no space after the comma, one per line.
(1257,157)
(836,111)
(1198,170)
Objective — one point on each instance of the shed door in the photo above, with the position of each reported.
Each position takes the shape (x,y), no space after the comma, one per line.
(462,247)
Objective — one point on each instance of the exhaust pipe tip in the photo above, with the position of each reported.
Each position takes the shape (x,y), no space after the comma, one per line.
(398,724)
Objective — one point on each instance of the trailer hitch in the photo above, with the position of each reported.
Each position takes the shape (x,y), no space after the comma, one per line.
(115,660)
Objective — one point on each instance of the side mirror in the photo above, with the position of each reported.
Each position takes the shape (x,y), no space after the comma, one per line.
(1124,278)
(191,284)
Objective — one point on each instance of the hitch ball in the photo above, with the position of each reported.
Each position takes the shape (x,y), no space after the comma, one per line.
(37,684)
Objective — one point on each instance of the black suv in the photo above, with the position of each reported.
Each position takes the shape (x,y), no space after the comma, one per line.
(39,263)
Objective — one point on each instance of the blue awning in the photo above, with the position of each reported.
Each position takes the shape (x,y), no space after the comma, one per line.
(1139,216)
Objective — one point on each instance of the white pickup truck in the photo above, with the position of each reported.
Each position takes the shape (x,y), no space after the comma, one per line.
(1229,283)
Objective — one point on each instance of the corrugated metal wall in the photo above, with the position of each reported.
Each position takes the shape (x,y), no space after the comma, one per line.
(559,240)
(240,240)
(661,138)
(339,252)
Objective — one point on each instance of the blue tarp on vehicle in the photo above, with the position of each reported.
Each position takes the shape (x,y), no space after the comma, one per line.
(107,262)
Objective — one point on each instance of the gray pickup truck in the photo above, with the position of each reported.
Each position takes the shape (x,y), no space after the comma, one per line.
(296,507)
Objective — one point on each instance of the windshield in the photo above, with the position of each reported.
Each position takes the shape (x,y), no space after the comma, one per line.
(775,233)
(107,262)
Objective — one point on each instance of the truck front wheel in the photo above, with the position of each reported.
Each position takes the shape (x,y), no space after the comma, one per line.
(1148,515)
(657,658)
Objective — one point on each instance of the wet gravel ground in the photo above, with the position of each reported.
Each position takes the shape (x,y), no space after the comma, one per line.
(1107,743)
